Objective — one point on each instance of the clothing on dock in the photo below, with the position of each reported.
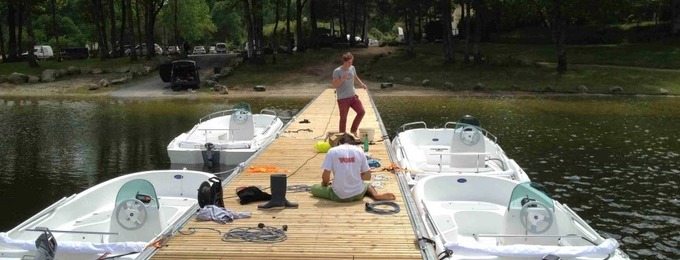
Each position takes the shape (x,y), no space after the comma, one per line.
(219,215)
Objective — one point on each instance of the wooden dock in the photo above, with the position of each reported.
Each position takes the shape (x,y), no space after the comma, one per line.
(318,228)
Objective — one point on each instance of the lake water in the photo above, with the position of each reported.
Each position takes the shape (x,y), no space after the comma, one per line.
(613,160)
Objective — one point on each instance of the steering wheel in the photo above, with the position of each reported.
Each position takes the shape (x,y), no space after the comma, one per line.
(240,116)
(527,216)
(131,214)
(470,135)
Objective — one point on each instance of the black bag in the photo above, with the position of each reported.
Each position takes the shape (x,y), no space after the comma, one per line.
(210,193)
(251,194)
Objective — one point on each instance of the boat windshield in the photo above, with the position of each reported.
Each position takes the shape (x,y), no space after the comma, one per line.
(139,189)
(525,192)
(468,120)
(243,106)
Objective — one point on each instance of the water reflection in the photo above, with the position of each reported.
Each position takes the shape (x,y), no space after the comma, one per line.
(614,161)
(54,148)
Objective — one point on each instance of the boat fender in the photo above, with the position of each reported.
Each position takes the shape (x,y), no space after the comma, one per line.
(210,193)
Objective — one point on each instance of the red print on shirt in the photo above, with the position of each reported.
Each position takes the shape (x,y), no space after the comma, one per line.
(346,159)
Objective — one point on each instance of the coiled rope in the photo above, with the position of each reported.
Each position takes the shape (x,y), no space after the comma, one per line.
(260,234)
(299,188)
(371,207)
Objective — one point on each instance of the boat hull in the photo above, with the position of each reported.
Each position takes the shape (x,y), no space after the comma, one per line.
(84,223)
(487,217)
(223,136)
(423,151)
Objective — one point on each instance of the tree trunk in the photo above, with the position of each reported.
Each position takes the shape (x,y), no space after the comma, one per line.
(175,25)
(112,23)
(11,27)
(675,16)
(312,20)
(249,28)
(343,20)
(55,30)
(100,28)
(365,26)
(410,48)
(353,32)
(467,17)
(449,55)
(131,32)
(32,60)
(2,46)
(123,19)
(559,36)
(479,16)
(139,22)
(275,37)
(298,27)
(20,29)
(289,35)
(258,26)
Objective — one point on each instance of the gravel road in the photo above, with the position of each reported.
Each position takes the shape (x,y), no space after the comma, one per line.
(154,87)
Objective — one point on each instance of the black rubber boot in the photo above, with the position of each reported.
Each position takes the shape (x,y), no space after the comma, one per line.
(279,185)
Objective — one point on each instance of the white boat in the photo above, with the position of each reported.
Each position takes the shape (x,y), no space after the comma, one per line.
(226,137)
(119,217)
(458,147)
(472,216)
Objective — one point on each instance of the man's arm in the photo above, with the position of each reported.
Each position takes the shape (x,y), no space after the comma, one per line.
(339,80)
(366,175)
(326,178)
(358,80)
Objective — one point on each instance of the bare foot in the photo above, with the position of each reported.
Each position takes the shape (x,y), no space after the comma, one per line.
(385,196)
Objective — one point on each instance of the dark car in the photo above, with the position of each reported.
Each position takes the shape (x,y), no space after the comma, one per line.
(181,74)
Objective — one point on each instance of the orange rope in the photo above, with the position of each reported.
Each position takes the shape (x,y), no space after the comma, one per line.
(265,169)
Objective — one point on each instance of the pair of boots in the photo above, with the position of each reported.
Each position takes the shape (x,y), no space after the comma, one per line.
(279,201)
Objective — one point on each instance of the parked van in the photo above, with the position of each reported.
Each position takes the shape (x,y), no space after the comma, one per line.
(41,52)
(221,47)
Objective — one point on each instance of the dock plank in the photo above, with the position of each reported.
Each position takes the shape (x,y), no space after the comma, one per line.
(318,228)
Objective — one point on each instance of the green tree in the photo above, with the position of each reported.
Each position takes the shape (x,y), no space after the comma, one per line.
(228,19)
(193,19)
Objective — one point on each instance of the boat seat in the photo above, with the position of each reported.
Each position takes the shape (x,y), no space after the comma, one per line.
(468,149)
(241,126)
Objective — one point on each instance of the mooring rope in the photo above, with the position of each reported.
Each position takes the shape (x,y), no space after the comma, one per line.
(259,234)
(371,207)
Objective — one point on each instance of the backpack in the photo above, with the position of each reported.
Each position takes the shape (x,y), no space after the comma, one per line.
(210,193)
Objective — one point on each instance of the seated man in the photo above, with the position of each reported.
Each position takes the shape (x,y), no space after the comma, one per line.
(350,169)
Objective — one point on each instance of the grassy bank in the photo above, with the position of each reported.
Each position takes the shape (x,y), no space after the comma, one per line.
(22,67)
(522,68)
(634,68)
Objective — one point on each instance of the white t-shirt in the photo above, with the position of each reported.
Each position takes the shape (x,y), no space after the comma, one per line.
(347,162)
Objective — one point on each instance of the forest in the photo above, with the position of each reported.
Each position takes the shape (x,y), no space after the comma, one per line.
(108,27)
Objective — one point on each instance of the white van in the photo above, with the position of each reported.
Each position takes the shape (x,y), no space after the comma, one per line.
(43,52)
(221,47)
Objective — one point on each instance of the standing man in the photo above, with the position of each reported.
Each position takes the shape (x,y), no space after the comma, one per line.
(350,169)
(343,83)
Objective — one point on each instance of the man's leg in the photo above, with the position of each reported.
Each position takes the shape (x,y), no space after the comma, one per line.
(359,108)
(371,192)
(343,106)
(322,192)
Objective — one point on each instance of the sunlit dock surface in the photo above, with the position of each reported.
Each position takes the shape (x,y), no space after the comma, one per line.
(318,228)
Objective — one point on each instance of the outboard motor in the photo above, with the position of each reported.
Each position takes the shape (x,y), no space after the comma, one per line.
(211,159)
(469,120)
(46,245)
